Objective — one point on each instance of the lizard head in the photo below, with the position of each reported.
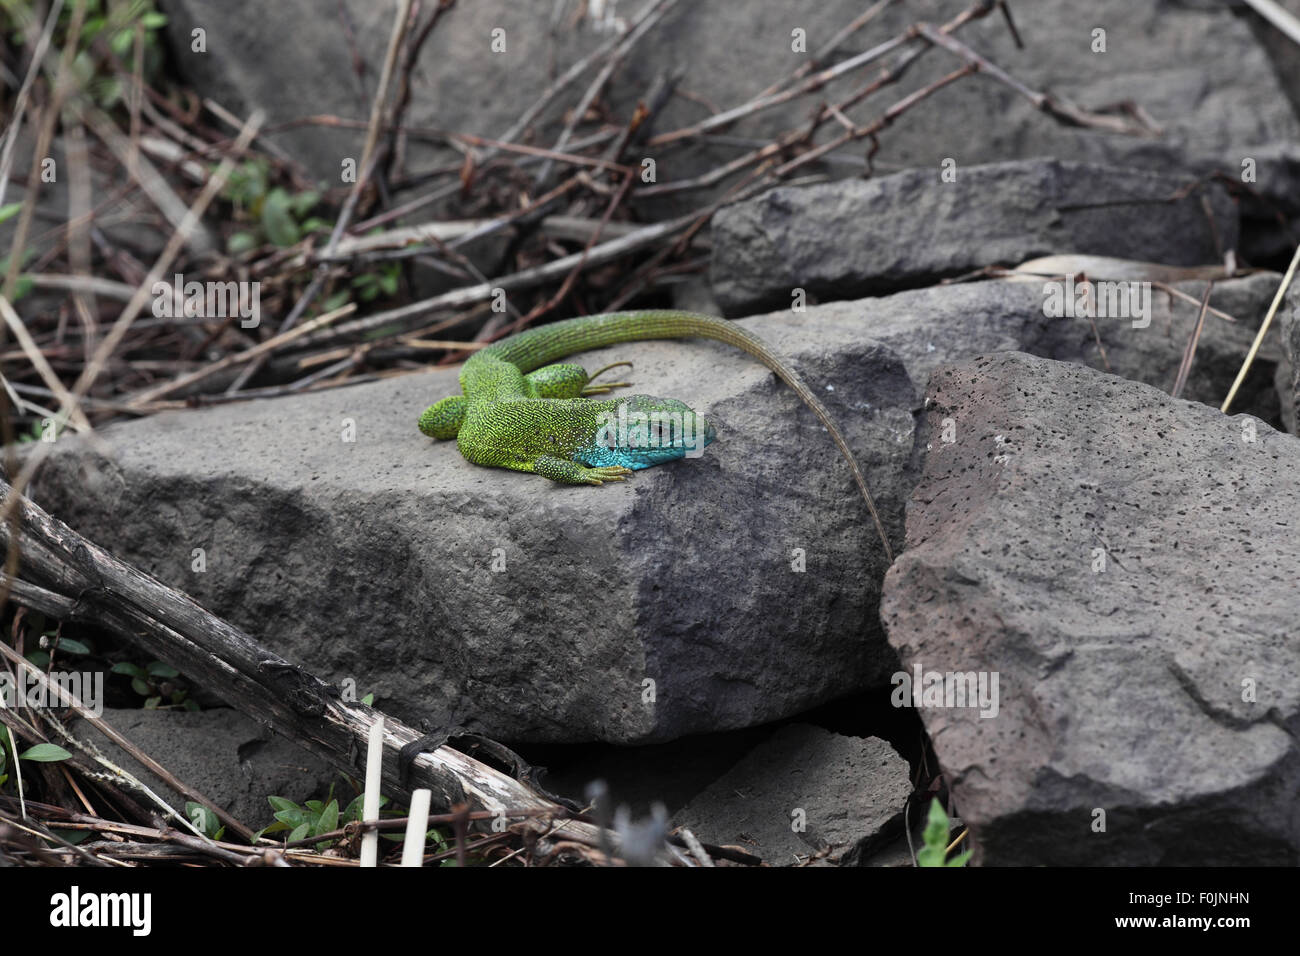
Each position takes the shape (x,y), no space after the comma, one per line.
(641,430)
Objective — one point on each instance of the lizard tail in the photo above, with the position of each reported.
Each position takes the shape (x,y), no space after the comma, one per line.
(534,348)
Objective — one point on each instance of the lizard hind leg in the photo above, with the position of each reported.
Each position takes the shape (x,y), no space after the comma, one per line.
(443,419)
(566,380)
(562,380)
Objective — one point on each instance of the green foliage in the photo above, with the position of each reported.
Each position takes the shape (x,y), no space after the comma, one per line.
(44,753)
(267,213)
(383,282)
(39,428)
(153,682)
(24,284)
(317,817)
(109,29)
(934,853)
(205,820)
(313,818)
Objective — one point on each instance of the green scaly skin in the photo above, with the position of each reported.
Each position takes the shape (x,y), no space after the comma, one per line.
(518,411)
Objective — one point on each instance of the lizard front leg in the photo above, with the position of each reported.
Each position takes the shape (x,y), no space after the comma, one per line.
(571,473)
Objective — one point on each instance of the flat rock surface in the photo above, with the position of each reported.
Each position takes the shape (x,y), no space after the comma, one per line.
(328,527)
(801,791)
(352,544)
(858,237)
(1125,563)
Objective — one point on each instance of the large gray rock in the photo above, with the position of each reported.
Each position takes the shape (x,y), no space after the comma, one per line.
(372,559)
(1198,72)
(845,239)
(1125,565)
(803,791)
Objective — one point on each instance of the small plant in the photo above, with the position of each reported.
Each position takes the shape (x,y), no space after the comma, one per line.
(269,213)
(39,753)
(935,851)
(204,820)
(382,282)
(113,23)
(318,817)
(155,681)
(24,284)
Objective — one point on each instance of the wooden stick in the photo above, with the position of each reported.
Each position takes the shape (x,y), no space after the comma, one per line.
(1263,330)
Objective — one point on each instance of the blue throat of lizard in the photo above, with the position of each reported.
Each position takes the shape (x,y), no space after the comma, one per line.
(642,431)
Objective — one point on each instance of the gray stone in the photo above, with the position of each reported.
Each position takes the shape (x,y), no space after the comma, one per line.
(371,560)
(804,790)
(845,239)
(1199,73)
(227,757)
(1161,687)
(1281,49)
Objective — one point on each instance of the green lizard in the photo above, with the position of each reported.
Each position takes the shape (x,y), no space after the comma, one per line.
(520,412)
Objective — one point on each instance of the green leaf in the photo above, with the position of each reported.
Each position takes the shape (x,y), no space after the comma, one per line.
(122,667)
(304,201)
(242,242)
(39,659)
(71,836)
(329,818)
(44,753)
(352,814)
(299,833)
(23,286)
(369,699)
(280,803)
(315,806)
(201,817)
(151,703)
(277,218)
(960,859)
(120,43)
(159,669)
(141,687)
(68,646)
(935,839)
(293,818)
(153,20)
(9,210)
(336,301)
(191,704)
